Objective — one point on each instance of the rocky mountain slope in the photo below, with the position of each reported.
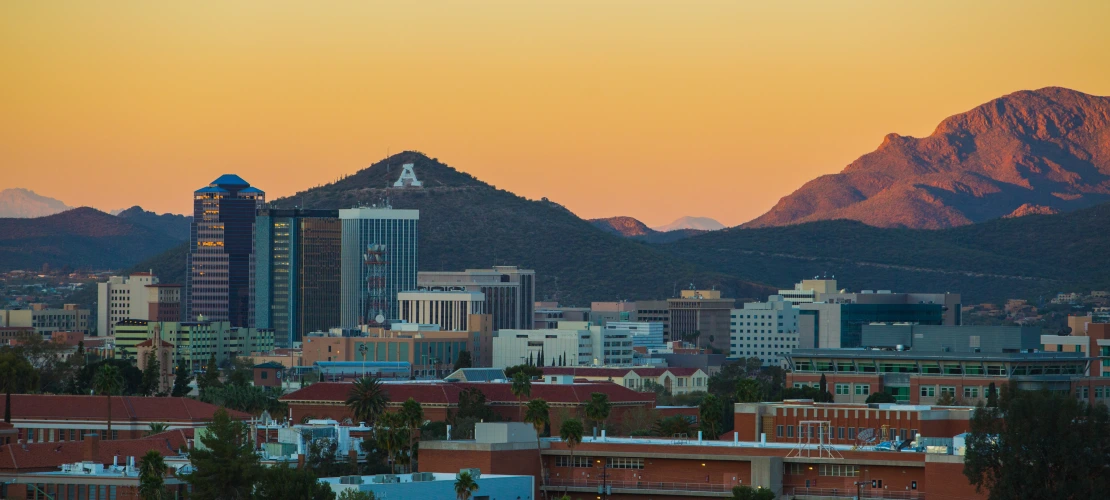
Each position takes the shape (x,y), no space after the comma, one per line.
(24,203)
(1047,148)
(173,225)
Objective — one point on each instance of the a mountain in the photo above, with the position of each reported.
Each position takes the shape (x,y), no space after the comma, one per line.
(1047,148)
(24,203)
(623,226)
(465,223)
(695,223)
(1021,257)
(173,225)
(80,238)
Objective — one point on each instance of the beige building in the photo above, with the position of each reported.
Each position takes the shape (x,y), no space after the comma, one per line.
(46,321)
(673,380)
(430,352)
(451,310)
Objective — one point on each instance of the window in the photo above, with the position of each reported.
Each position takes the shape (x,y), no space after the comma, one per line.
(626,463)
(971,392)
(1082,392)
(840,433)
(795,469)
(579,462)
(851,433)
(790,431)
(839,470)
(948,389)
(863,389)
(842,388)
(778,431)
(928,391)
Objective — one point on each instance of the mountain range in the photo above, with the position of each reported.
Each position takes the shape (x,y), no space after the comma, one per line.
(629,227)
(24,203)
(1037,151)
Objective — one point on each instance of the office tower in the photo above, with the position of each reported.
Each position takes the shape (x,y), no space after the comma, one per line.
(837,319)
(764,330)
(297,262)
(378,260)
(221,244)
(510,292)
(138,296)
(701,314)
(450,310)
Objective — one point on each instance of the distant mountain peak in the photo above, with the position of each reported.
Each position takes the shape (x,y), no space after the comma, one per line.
(1047,148)
(689,222)
(25,203)
(623,225)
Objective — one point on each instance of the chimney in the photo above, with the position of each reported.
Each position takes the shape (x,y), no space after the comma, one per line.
(300,460)
(91,448)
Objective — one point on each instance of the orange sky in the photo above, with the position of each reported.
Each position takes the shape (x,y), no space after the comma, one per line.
(648,109)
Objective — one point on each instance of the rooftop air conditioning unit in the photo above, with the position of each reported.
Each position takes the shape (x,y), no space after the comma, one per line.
(385,478)
(474,473)
(350,480)
(423,476)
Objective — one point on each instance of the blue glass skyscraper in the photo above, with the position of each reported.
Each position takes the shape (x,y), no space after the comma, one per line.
(379,259)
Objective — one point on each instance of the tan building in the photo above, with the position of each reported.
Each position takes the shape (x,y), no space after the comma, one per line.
(163,352)
(138,296)
(431,352)
(46,321)
(673,380)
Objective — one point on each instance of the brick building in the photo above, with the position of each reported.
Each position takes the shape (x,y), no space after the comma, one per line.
(781,422)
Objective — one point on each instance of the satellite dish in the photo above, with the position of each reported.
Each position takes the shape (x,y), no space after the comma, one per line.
(380,319)
(866,437)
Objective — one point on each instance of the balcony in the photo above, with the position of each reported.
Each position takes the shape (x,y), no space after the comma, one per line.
(834,493)
(709,490)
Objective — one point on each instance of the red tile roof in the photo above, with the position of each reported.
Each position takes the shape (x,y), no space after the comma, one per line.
(617,372)
(448,393)
(15,456)
(124,408)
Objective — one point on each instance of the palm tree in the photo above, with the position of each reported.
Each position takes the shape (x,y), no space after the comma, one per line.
(539,416)
(16,375)
(157,428)
(389,433)
(367,399)
(108,381)
(749,391)
(522,388)
(465,485)
(152,469)
(598,408)
(413,417)
(571,434)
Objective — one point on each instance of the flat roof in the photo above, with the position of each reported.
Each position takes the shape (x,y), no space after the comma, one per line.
(936,355)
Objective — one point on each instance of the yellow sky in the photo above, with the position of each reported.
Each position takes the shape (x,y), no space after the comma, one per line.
(648,109)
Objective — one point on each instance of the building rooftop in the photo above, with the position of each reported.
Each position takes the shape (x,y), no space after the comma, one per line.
(930,355)
(211,189)
(230,180)
(23,456)
(616,372)
(124,408)
(447,393)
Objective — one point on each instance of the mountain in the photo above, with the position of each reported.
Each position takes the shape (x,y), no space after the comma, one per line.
(465,223)
(696,223)
(23,203)
(623,226)
(1048,148)
(1021,257)
(173,225)
(80,238)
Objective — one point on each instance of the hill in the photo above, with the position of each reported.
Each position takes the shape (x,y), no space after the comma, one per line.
(172,225)
(465,223)
(1048,148)
(24,203)
(1030,256)
(81,238)
(695,223)
(623,226)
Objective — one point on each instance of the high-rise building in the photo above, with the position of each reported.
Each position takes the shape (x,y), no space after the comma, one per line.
(138,296)
(450,310)
(837,319)
(297,272)
(654,311)
(702,314)
(378,261)
(219,276)
(510,292)
(764,330)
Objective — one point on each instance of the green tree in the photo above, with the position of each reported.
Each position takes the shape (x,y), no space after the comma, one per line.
(412,415)
(571,433)
(108,382)
(367,400)
(749,493)
(598,408)
(151,376)
(539,415)
(322,457)
(82,380)
(463,360)
(211,376)
(1039,444)
(226,466)
(152,471)
(240,372)
(16,375)
(880,397)
(465,485)
(992,396)
(289,483)
(531,371)
(472,404)
(157,428)
(946,399)
(710,412)
(391,434)
(749,390)
(674,425)
(521,388)
(353,494)
(181,379)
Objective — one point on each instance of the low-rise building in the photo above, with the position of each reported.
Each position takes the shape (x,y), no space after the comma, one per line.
(44,321)
(451,310)
(433,485)
(673,380)
(1093,342)
(194,342)
(571,344)
(429,351)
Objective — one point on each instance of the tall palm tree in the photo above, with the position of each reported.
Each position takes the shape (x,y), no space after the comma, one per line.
(598,408)
(465,485)
(367,399)
(522,388)
(539,416)
(571,434)
(108,381)
(389,432)
(152,469)
(16,375)
(413,417)
(157,428)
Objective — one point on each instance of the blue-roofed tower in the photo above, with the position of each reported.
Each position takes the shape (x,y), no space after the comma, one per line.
(218,282)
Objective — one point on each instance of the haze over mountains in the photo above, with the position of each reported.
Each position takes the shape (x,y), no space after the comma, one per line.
(1045,150)
(23,203)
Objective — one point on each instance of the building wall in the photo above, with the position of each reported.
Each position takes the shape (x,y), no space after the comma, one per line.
(510,292)
(122,298)
(369,290)
(709,316)
(765,330)
(450,310)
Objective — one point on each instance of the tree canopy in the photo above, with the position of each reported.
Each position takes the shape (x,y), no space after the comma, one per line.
(225,466)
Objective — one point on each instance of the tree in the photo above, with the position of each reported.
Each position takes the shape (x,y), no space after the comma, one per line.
(880,397)
(598,408)
(245,398)
(710,412)
(463,361)
(181,379)
(322,457)
(749,493)
(639,421)
(152,471)
(108,382)
(211,376)
(151,375)
(531,371)
(157,428)
(823,385)
(391,434)
(226,467)
(571,433)
(16,375)
(539,415)
(367,400)
(353,494)
(749,391)
(1038,444)
(992,396)
(412,415)
(289,483)
(82,382)
(946,399)
(465,485)
(521,388)
(240,372)
(674,425)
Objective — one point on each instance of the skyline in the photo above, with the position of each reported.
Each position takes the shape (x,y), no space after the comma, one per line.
(714,110)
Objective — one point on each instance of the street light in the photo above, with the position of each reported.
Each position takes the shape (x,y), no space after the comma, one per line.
(859,489)
(602,489)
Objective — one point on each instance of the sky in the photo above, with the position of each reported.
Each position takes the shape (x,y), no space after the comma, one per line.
(653,110)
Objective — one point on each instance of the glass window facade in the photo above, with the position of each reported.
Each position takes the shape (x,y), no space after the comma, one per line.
(378,260)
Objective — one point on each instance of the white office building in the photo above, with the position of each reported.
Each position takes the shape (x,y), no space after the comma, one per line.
(643,334)
(450,310)
(122,298)
(764,330)
(572,343)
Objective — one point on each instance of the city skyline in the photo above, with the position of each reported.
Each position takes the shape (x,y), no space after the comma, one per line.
(654,100)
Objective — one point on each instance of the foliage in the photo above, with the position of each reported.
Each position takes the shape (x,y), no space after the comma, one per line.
(749,493)
(472,405)
(412,416)
(463,361)
(181,379)
(244,398)
(1039,445)
(16,375)
(465,485)
(529,370)
(880,397)
(992,396)
(538,414)
(108,382)
(211,376)
(45,357)
(946,399)
(367,400)
(83,380)
(639,420)
(152,471)
(226,467)
(289,483)
(156,428)
(151,376)
(521,388)
(598,408)
(749,391)
(353,494)
(391,435)
(724,383)
(322,457)
(673,426)
(711,414)
(807,392)
(433,431)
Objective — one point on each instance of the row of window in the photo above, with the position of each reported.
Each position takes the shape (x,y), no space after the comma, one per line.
(611,462)
(848,433)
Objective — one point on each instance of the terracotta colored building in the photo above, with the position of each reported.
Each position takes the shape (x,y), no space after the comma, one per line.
(268,374)
(781,422)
